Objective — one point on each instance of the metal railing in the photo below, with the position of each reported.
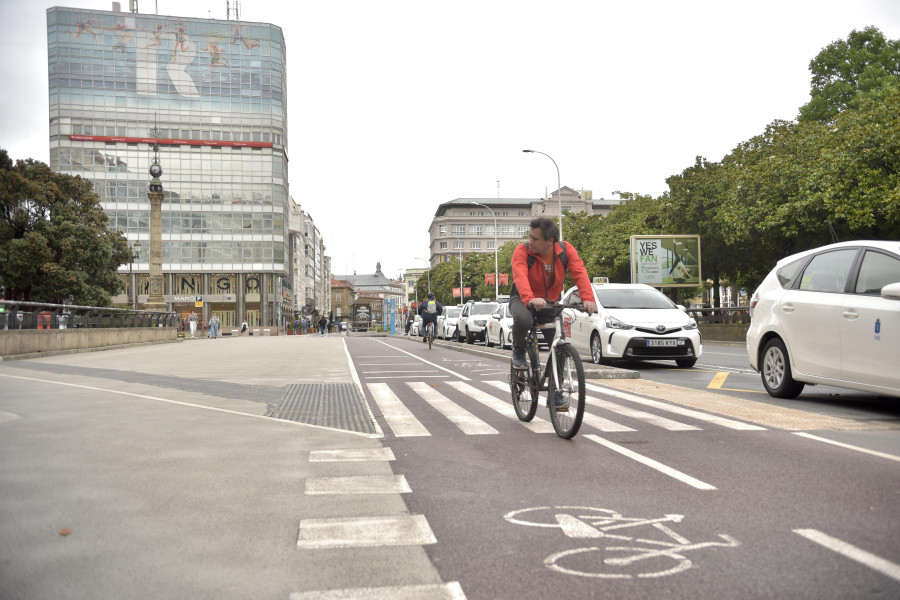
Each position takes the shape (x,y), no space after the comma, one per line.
(740,314)
(41,315)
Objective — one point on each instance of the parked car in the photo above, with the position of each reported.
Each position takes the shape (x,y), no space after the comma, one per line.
(416,327)
(499,327)
(633,322)
(446,323)
(472,322)
(830,315)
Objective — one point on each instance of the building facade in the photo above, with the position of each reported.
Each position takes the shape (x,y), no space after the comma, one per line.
(375,296)
(310,267)
(212,94)
(470,225)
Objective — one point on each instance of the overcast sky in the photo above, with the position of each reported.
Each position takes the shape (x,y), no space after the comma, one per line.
(397,106)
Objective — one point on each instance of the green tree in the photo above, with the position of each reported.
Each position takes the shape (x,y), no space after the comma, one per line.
(54,242)
(865,65)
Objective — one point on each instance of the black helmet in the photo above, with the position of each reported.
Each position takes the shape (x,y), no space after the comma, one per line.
(431,295)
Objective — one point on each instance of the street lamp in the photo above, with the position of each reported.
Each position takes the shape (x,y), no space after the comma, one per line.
(496,269)
(135,253)
(461,297)
(558,189)
(427,271)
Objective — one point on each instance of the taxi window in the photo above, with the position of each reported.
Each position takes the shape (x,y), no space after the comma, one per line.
(877,270)
(828,272)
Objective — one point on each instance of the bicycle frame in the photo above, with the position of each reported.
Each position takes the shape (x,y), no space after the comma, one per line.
(559,337)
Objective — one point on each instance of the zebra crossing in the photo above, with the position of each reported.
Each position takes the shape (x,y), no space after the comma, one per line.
(450,398)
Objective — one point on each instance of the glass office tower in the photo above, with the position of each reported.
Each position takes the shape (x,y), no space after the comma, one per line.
(212,93)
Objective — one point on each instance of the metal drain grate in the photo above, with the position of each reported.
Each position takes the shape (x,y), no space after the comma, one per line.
(336,405)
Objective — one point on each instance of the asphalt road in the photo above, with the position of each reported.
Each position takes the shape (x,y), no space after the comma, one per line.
(682,494)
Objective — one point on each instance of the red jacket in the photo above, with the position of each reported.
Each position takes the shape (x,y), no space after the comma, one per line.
(529,283)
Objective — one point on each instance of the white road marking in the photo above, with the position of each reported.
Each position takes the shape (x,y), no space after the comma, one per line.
(652,419)
(189,405)
(678,410)
(419,358)
(652,463)
(361,484)
(360,532)
(436,591)
(399,418)
(868,559)
(848,446)
(537,425)
(466,421)
(352,455)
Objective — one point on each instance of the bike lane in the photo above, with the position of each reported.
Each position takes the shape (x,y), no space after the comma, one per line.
(738,536)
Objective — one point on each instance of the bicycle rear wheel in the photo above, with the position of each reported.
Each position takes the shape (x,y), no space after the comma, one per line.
(524,391)
(571,388)
(430,335)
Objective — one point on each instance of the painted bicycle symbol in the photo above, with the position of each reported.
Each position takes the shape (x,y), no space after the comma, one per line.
(623,556)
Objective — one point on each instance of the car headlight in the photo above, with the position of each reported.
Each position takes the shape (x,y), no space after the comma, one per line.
(480,322)
(692,324)
(614,323)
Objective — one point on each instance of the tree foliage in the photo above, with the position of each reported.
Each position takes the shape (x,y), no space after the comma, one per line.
(54,242)
(864,66)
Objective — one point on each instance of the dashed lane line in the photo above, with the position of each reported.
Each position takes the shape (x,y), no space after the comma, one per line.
(848,446)
(885,567)
(649,462)
(436,591)
(364,532)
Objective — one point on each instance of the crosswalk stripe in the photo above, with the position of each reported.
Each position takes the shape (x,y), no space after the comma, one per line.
(359,484)
(504,408)
(434,591)
(466,421)
(352,455)
(678,410)
(361,532)
(401,421)
(588,419)
(652,419)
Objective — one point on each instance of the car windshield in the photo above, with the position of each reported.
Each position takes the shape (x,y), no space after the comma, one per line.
(636,298)
(483,309)
(452,313)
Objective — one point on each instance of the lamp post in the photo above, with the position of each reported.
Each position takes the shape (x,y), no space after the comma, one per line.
(496,269)
(135,253)
(558,189)
(461,297)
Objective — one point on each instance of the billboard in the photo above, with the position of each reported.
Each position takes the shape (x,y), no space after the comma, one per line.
(666,260)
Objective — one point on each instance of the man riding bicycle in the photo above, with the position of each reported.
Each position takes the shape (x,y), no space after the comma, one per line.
(429,311)
(539,269)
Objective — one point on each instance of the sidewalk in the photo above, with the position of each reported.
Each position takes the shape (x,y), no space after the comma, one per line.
(153,472)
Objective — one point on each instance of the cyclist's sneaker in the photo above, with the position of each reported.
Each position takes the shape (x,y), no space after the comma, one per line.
(518,359)
(562,405)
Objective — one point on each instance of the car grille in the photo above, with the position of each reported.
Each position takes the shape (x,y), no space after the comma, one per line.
(655,332)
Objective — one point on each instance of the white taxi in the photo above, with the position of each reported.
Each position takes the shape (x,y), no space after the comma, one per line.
(633,322)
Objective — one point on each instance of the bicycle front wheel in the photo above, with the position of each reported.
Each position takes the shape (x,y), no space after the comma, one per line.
(567,418)
(524,393)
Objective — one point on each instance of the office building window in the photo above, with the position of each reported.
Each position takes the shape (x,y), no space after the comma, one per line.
(475,229)
(458,229)
(475,245)
(509,230)
(443,230)
(523,230)
(443,246)
(491,245)
(458,245)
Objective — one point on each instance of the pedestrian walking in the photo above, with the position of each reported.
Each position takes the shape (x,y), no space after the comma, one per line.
(214,326)
(244,328)
(192,321)
(323,323)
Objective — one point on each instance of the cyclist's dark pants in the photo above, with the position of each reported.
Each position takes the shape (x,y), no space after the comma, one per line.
(425,322)
(522,319)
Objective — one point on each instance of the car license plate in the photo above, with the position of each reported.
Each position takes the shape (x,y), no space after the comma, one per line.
(666,343)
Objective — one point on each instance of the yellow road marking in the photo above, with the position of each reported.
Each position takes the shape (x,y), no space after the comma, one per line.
(719,380)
